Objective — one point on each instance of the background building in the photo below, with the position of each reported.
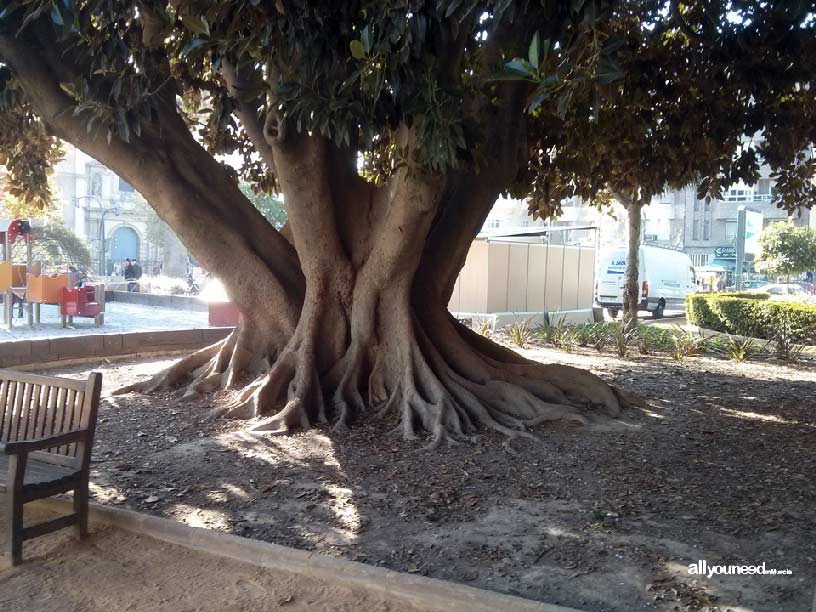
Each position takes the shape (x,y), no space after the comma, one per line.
(112,216)
(677,219)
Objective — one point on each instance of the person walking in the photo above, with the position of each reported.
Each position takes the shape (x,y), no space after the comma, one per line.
(137,274)
(129,274)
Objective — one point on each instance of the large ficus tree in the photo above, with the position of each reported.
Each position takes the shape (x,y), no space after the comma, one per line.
(389,127)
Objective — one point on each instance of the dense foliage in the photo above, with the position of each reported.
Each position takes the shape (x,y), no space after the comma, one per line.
(747,316)
(785,249)
(627,97)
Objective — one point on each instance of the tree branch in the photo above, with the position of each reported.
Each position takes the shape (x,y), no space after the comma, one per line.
(247,114)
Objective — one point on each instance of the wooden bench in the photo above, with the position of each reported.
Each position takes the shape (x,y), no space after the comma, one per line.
(46,433)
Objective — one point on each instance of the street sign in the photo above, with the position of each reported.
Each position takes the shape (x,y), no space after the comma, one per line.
(753,228)
(725,252)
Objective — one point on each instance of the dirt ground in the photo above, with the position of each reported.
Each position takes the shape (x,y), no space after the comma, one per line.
(607,517)
(115,571)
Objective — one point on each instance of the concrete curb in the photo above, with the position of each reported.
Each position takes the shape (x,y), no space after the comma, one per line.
(176,302)
(424,593)
(92,347)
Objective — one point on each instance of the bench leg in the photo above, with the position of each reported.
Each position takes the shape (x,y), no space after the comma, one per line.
(14,497)
(81,509)
(15,530)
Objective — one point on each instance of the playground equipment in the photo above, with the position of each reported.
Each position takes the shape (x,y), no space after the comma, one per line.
(13,276)
(44,289)
(82,302)
(21,283)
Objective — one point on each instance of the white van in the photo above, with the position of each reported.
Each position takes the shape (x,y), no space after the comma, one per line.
(665,278)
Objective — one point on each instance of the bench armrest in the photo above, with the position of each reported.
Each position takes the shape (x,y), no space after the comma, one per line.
(26,446)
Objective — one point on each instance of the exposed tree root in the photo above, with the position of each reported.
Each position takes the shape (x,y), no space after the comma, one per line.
(445,385)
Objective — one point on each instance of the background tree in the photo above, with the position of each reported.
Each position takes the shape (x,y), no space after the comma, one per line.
(346,316)
(677,115)
(269,205)
(54,244)
(786,249)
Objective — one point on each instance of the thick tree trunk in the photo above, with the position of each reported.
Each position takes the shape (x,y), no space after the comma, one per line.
(632,289)
(349,321)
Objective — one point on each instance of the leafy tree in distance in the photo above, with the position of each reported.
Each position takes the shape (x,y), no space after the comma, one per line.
(344,312)
(270,206)
(786,249)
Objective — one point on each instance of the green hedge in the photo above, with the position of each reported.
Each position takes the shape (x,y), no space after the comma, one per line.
(751,314)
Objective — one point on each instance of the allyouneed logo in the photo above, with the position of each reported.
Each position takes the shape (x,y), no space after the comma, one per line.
(702,568)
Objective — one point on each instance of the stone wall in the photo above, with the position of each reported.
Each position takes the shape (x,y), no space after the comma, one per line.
(44,350)
(178,302)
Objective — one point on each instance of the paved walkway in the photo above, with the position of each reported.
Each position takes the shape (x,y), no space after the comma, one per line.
(119,317)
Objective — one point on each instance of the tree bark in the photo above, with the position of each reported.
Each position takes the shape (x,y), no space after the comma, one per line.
(632,289)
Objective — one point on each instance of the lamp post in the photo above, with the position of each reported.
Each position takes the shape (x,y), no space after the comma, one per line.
(102,241)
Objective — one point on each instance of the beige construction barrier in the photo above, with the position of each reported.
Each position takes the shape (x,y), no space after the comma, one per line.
(513,277)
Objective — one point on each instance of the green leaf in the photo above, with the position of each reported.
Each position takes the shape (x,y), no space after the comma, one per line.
(69,88)
(357,49)
(520,67)
(196,23)
(608,71)
(532,53)
(365,38)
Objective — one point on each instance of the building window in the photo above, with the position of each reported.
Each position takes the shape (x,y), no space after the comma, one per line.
(763,190)
(730,230)
(492,223)
(125,187)
(525,222)
(695,229)
(738,194)
(699,259)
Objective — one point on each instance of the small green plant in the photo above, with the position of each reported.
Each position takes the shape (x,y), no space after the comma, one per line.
(584,334)
(739,348)
(520,333)
(568,338)
(651,339)
(552,332)
(484,328)
(622,334)
(600,336)
(785,343)
(687,344)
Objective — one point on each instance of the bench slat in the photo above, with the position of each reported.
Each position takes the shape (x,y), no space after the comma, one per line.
(19,392)
(4,411)
(38,379)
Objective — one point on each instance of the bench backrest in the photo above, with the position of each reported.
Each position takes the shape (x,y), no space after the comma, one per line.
(34,406)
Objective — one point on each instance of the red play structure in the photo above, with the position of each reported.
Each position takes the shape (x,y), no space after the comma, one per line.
(81,302)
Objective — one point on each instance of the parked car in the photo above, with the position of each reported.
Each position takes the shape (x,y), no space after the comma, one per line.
(783,289)
(665,278)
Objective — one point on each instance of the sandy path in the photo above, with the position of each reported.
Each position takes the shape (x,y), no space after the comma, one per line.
(115,571)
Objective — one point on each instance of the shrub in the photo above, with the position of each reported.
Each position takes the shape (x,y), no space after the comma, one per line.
(749,315)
